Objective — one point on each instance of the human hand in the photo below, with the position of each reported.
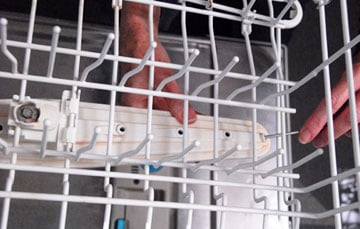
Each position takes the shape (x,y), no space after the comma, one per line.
(315,129)
(134,33)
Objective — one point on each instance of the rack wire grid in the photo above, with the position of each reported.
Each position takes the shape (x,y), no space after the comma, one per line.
(225,172)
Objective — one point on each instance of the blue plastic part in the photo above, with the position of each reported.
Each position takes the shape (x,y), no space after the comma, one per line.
(152,168)
(120,224)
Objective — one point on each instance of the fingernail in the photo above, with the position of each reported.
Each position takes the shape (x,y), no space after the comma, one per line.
(305,136)
(192,119)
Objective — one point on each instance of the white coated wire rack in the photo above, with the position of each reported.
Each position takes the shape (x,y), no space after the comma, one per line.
(228,172)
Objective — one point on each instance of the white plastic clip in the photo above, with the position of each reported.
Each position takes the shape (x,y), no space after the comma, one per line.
(221,76)
(7,53)
(44,138)
(216,160)
(91,145)
(140,66)
(54,44)
(321,3)
(246,27)
(185,67)
(117,3)
(101,58)
(209,4)
(193,145)
(299,163)
(130,153)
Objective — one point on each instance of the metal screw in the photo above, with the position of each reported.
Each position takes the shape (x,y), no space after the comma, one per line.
(28,113)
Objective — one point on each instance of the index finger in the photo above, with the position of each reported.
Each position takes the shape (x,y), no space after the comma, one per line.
(318,119)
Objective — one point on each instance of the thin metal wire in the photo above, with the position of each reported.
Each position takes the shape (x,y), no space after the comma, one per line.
(330,122)
(350,83)
(54,44)
(4,49)
(172,205)
(88,54)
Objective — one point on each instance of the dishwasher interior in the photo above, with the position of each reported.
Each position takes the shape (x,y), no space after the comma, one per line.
(95,181)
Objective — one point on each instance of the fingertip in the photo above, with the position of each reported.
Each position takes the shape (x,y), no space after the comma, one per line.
(192,115)
(304,136)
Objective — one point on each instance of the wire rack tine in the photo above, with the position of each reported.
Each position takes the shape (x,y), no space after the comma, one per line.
(193,145)
(91,145)
(302,161)
(130,153)
(4,49)
(236,148)
(101,58)
(259,200)
(221,76)
(191,59)
(266,74)
(314,72)
(136,70)
(54,44)
(254,163)
(44,138)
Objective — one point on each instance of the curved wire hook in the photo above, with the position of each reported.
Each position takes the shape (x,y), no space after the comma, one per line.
(101,58)
(221,76)
(91,145)
(4,49)
(236,148)
(255,163)
(54,44)
(255,84)
(141,65)
(299,163)
(315,71)
(195,53)
(130,153)
(193,145)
